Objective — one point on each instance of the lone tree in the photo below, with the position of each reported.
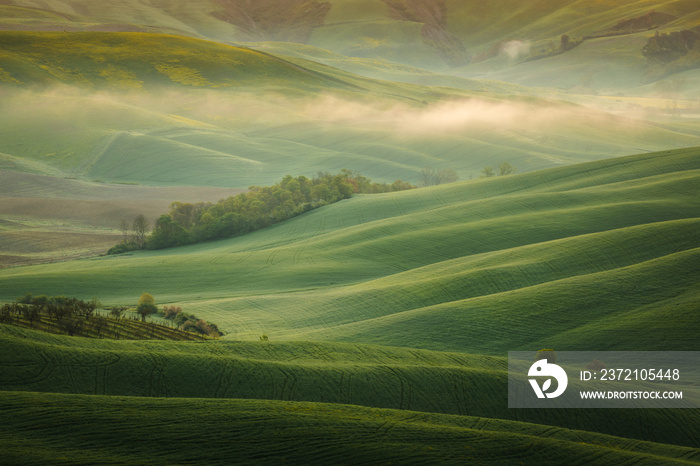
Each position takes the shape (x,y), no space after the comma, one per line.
(147,305)
(505,169)
(487,172)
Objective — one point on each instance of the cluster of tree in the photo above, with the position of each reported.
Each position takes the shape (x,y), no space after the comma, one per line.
(190,322)
(503,169)
(665,48)
(650,20)
(259,207)
(430,176)
(69,313)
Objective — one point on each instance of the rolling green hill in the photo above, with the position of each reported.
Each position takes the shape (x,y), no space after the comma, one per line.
(389,316)
(564,257)
(167,431)
(410,380)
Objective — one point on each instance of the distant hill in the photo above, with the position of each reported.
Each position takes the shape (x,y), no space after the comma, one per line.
(479,39)
(164,109)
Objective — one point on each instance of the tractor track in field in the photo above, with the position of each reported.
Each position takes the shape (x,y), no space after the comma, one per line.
(45,372)
(156,378)
(101,373)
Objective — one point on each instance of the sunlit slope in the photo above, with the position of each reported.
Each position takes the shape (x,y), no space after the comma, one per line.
(565,257)
(361,375)
(436,35)
(136,60)
(106,430)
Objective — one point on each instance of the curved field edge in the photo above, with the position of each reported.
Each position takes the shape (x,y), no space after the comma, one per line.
(136,430)
(365,375)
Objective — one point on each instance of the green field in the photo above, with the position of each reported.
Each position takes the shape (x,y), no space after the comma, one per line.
(248,431)
(562,258)
(421,384)
(374,330)
(483,255)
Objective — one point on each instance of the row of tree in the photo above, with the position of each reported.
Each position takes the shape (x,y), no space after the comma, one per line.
(57,307)
(259,207)
(190,322)
(69,313)
(76,317)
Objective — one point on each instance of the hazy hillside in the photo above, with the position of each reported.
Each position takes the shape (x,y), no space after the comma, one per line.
(46,218)
(115,106)
(480,39)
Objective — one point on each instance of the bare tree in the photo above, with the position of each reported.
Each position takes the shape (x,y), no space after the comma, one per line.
(117,312)
(31,313)
(124,227)
(140,228)
(428,176)
(71,326)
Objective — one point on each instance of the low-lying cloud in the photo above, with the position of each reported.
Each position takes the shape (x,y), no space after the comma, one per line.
(515,49)
(245,112)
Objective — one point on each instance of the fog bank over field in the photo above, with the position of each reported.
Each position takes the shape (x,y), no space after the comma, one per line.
(242,110)
(209,137)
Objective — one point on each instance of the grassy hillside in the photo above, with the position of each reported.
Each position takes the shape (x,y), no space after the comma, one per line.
(564,257)
(364,375)
(134,60)
(389,316)
(155,431)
